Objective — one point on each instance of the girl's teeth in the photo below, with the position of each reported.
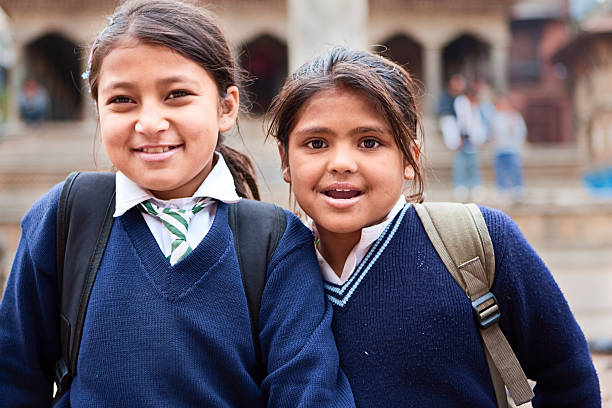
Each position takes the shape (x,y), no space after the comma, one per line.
(156,149)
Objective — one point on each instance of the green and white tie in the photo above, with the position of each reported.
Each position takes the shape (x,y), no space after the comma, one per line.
(176,222)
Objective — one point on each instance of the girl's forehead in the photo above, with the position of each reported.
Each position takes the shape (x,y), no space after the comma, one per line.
(338,91)
(109,46)
(131,43)
(339,101)
(147,55)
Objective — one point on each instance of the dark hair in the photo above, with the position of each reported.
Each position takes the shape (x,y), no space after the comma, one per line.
(387,85)
(192,32)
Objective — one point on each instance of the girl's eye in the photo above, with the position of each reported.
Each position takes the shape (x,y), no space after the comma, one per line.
(177,94)
(369,143)
(120,99)
(316,144)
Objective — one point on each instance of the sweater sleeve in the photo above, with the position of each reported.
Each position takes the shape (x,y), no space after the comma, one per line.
(29,338)
(538,323)
(296,335)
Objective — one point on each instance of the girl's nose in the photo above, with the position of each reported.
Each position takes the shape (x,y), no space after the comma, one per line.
(151,121)
(342,160)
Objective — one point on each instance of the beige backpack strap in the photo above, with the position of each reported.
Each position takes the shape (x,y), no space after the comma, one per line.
(460,236)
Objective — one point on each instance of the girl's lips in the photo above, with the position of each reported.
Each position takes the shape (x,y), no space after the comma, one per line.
(157,153)
(341,203)
(341,195)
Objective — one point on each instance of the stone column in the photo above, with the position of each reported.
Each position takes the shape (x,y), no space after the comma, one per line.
(433,78)
(499,67)
(317,25)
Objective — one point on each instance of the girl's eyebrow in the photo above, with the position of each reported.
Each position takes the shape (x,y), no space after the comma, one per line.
(116,85)
(314,130)
(321,130)
(162,82)
(175,79)
(370,129)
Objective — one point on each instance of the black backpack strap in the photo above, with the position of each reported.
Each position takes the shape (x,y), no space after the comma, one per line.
(257,228)
(84,221)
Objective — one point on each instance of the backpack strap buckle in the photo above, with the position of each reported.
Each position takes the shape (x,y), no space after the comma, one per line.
(486,310)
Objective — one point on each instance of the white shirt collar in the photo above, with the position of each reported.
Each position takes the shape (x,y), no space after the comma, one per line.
(368,236)
(219,184)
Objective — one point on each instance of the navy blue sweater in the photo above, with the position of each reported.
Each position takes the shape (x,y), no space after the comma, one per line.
(170,336)
(407,335)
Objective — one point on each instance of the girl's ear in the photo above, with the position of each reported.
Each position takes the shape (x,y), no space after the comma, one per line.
(408,172)
(230,106)
(415,151)
(284,163)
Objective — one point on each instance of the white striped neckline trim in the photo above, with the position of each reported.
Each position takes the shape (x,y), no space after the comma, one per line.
(340,294)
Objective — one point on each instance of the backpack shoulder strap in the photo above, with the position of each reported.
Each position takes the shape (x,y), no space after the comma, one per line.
(257,229)
(84,220)
(459,234)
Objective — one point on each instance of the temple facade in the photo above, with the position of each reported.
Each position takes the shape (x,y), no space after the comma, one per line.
(508,43)
(432,38)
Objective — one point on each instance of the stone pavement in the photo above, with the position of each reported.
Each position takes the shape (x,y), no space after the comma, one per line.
(603,364)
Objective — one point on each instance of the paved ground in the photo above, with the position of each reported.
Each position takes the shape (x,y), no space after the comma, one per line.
(603,364)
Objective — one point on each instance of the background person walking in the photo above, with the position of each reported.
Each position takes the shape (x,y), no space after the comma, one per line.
(508,134)
(472,134)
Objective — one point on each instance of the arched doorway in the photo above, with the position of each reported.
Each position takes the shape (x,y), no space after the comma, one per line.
(468,56)
(406,52)
(265,58)
(53,61)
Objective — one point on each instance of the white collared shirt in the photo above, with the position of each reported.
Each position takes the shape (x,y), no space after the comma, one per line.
(219,185)
(359,251)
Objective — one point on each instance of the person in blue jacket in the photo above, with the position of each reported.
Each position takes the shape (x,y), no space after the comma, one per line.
(348,131)
(167,323)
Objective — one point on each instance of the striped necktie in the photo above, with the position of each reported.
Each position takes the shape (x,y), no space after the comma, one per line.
(176,222)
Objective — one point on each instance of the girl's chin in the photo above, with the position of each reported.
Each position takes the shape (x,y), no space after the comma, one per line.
(339,229)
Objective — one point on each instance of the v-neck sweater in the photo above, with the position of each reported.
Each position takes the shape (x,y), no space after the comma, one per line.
(407,335)
(170,336)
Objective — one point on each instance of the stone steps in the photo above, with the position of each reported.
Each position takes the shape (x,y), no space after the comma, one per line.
(557,211)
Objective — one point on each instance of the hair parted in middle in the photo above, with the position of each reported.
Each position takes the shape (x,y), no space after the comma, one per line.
(191,31)
(388,86)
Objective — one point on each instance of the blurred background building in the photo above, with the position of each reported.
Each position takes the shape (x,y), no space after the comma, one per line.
(552,57)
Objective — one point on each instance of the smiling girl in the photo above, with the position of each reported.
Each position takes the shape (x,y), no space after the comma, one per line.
(168,323)
(347,127)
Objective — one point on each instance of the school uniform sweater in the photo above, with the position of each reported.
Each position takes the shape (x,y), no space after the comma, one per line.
(407,335)
(170,336)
